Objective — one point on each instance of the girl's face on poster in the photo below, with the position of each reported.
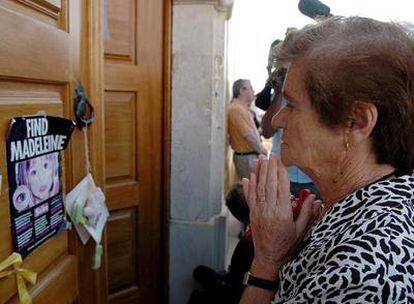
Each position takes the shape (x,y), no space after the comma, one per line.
(40,177)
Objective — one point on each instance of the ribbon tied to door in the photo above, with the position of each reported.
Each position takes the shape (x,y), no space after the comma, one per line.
(22,275)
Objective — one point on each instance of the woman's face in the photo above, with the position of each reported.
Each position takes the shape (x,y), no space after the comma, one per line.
(40,177)
(306,142)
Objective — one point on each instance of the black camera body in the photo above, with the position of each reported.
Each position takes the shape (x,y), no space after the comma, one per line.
(277,78)
(275,82)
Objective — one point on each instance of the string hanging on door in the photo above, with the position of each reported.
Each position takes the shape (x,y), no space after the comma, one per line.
(85,139)
(86,202)
(92,212)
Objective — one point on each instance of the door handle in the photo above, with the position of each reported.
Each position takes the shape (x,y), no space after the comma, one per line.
(84,112)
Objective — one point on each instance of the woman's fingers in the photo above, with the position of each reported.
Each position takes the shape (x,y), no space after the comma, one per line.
(255,169)
(283,193)
(271,185)
(316,209)
(252,192)
(305,216)
(262,180)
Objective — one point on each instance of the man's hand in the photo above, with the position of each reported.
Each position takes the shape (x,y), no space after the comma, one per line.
(254,141)
(267,129)
(264,151)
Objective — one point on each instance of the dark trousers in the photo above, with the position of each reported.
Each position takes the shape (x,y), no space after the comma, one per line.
(227,288)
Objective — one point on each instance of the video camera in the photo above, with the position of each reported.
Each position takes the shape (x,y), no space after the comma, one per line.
(275,82)
(314,9)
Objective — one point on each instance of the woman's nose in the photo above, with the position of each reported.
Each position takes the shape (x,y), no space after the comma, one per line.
(278,119)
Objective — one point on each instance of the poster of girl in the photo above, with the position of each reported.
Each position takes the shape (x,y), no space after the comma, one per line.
(37,180)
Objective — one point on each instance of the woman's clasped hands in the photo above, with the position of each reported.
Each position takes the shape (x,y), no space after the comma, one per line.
(275,232)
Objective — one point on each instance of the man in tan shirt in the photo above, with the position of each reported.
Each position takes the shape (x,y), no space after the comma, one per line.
(244,137)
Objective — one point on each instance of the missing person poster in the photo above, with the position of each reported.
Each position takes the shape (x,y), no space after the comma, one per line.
(34,172)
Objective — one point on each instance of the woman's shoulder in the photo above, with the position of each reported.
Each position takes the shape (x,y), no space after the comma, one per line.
(383,210)
(395,192)
(368,208)
(394,195)
(398,187)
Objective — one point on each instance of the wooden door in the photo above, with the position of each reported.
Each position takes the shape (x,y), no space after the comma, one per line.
(133,147)
(46,46)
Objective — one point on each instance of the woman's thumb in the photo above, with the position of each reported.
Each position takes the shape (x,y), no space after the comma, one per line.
(305,215)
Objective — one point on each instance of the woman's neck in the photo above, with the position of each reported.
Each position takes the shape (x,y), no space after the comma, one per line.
(337,183)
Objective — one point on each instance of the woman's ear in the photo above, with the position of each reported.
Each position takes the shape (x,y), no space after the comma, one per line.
(362,120)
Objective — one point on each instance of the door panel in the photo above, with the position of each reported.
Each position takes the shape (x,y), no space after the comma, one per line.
(121,128)
(122,241)
(121,149)
(40,62)
(25,88)
(63,270)
(122,22)
(133,149)
(36,47)
(53,12)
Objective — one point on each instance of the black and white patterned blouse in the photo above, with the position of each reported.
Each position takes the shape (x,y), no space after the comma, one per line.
(362,251)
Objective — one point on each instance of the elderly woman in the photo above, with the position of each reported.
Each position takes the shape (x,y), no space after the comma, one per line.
(349,125)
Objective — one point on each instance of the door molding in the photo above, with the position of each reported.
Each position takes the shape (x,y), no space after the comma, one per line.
(92,283)
(166,145)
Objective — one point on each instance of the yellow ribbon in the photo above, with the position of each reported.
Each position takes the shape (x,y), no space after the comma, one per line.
(22,274)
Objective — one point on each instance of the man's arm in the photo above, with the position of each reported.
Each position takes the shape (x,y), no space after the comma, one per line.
(275,106)
(254,141)
(242,120)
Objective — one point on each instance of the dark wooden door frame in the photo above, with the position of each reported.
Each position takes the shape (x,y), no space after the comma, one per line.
(166,149)
(92,283)
(96,281)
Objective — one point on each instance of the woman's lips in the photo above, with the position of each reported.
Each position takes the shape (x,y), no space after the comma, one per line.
(43,188)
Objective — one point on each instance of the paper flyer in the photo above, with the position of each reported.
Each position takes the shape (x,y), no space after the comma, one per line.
(34,172)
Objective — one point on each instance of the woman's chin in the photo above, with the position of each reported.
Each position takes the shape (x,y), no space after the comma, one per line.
(285,160)
(284,156)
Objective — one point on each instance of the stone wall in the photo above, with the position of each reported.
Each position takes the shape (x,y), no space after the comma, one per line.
(197,228)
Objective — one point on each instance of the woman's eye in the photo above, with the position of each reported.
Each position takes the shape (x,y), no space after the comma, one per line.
(45,165)
(21,197)
(33,172)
